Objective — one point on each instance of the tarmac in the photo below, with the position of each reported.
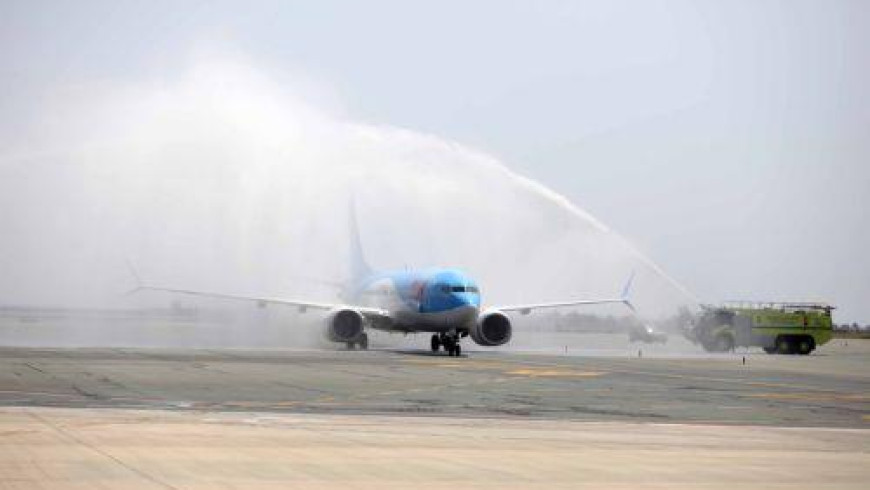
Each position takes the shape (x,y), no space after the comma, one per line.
(828,389)
(109,448)
(400,418)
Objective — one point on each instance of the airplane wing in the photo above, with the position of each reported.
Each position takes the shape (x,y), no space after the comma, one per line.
(302,305)
(525,309)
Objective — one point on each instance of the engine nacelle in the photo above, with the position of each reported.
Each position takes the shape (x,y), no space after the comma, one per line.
(344,325)
(491,329)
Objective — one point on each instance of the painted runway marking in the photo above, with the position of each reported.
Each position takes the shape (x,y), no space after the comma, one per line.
(694,377)
(567,373)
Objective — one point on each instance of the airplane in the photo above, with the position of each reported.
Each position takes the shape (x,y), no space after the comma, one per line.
(445,302)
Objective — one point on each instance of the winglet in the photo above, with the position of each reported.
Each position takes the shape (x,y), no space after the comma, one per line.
(139,284)
(626,292)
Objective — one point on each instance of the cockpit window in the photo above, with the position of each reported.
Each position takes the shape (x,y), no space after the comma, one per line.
(460,289)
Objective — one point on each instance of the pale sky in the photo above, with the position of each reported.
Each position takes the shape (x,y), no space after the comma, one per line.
(729,140)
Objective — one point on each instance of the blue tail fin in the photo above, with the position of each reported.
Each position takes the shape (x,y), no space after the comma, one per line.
(359,268)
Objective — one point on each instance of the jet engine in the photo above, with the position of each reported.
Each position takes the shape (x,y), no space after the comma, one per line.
(491,329)
(344,325)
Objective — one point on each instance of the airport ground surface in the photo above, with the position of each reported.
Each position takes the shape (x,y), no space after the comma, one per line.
(827,389)
(171,418)
(110,448)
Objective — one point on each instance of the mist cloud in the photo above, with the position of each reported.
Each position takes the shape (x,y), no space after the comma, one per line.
(225,180)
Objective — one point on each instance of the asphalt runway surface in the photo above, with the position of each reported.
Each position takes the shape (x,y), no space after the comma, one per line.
(404,418)
(827,389)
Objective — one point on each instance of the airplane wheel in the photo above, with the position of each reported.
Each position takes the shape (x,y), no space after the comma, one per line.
(457,351)
(364,342)
(436,343)
(449,345)
(349,345)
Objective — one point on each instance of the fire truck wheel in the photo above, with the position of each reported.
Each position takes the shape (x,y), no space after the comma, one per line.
(784,345)
(804,346)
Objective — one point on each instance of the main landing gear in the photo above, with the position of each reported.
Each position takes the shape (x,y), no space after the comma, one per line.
(450,342)
(362,342)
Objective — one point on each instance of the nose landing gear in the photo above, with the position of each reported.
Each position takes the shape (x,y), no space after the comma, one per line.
(450,342)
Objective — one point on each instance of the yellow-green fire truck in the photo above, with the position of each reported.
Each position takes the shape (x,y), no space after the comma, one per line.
(778,328)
